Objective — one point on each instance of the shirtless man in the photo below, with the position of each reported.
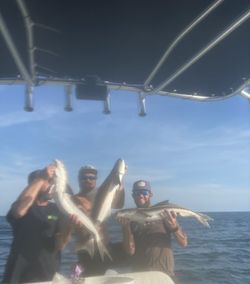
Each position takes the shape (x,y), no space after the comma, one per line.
(87,178)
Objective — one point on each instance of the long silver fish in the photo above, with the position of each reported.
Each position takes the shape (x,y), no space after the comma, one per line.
(105,197)
(106,192)
(64,201)
(153,213)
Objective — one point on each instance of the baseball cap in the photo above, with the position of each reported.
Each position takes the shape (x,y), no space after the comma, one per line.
(141,185)
(87,169)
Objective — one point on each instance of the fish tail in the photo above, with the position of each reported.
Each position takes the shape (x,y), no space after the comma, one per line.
(204,222)
(88,246)
(102,249)
(203,218)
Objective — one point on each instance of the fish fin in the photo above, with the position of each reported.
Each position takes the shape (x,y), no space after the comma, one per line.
(204,222)
(203,218)
(162,203)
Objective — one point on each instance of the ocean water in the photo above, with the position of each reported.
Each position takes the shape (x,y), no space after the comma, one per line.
(220,254)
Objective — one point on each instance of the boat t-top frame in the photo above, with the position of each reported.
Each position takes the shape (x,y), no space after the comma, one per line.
(101,89)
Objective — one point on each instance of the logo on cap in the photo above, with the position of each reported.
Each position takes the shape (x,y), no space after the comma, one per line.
(141,184)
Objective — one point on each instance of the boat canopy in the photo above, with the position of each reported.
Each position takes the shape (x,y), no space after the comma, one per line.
(194,49)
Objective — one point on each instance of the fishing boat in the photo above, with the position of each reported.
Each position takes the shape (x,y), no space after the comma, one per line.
(194,50)
(148,277)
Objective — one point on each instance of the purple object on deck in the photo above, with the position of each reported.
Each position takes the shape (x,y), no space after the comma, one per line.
(77,271)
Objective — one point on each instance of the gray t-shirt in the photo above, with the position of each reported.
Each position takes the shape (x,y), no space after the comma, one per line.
(152,247)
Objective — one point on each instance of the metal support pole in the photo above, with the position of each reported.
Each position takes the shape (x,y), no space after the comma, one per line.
(68,97)
(142,104)
(106,105)
(14,53)
(28,105)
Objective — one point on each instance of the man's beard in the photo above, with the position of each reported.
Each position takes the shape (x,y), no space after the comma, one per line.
(87,189)
(145,205)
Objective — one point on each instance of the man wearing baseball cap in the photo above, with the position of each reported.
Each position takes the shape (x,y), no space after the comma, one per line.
(150,244)
(87,177)
(36,225)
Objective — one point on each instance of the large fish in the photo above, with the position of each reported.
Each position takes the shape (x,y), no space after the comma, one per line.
(154,213)
(65,203)
(106,192)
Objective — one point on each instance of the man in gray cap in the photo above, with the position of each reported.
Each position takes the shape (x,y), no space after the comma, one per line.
(150,244)
(87,178)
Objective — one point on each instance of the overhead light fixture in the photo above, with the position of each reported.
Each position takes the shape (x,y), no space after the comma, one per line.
(28,104)
(92,88)
(68,97)
(142,104)
(106,105)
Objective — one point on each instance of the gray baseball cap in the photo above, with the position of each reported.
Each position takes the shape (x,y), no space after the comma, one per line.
(87,169)
(141,184)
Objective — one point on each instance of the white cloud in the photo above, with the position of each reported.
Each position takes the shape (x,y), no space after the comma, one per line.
(21,117)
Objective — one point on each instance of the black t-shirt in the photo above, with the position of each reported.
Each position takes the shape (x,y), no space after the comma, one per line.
(33,256)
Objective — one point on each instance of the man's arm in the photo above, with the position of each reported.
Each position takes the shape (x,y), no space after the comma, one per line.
(29,194)
(26,199)
(170,221)
(180,236)
(128,237)
(119,198)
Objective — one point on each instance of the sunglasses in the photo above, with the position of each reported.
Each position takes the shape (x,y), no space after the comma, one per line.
(88,177)
(143,192)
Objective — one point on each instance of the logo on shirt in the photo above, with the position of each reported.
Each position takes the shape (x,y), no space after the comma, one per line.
(52,217)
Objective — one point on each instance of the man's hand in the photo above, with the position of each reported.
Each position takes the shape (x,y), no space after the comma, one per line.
(75,221)
(170,218)
(128,238)
(124,221)
(49,172)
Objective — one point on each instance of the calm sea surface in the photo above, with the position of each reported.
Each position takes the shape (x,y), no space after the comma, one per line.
(220,254)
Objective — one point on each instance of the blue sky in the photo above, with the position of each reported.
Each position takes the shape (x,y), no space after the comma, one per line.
(195,154)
